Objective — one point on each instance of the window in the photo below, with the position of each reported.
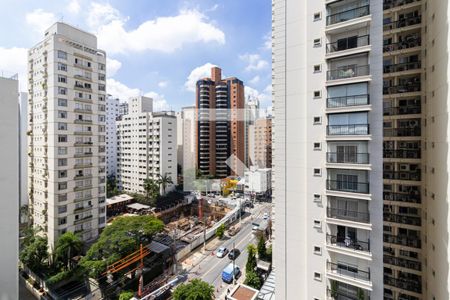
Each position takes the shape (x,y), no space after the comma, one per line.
(317,68)
(317,276)
(317,120)
(101,67)
(89,64)
(101,77)
(317,94)
(62,186)
(317,250)
(317,43)
(62,126)
(101,220)
(62,54)
(62,79)
(317,172)
(62,138)
(62,150)
(62,174)
(62,221)
(101,87)
(101,118)
(62,114)
(317,16)
(62,102)
(317,146)
(62,90)
(62,67)
(317,197)
(62,209)
(62,197)
(62,162)
(317,224)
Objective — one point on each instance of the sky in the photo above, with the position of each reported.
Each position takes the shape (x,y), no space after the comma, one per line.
(154,48)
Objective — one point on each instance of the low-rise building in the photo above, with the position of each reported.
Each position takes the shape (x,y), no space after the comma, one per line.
(258,181)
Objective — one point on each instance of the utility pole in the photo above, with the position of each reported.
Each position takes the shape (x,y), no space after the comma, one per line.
(234,257)
(175,252)
(240,212)
(141,278)
(204,232)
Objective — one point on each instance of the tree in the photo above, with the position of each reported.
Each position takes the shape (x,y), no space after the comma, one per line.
(194,290)
(360,294)
(251,260)
(252,279)
(333,289)
(67,246)
(35,254)
(119,239)
(25,214)
(262,252)
(111,186)
(164,181)
(151,191)
(126,295)
(220,231)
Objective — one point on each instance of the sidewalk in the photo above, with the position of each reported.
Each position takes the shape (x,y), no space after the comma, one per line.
(240,280)
(196,257)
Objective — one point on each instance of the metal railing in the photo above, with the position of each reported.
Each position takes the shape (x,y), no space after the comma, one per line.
(402,153)
(388,4)
(402,175)
(344,214)
(398,132)
(402,219)
(348,186)
(411,87)
(402,23)
(345,101)
(351,129)
(348,271)
(346,157)
(401,67)
(348,43)
(403,240)
(402,262)
(408,43)
(405,284)
(348,243)
(348,15)
(402,110)
(349,71)
(409,198)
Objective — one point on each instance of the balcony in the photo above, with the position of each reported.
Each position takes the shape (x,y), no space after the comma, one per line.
(348,271)
(402,132)
(82,88)
(405,284)
(350,129)
(388,4)
(81,188)
(399,197)
(348,15)
(409,42)
(350,71)
(402,240)
(402,175)
(401,67)
(414,20)
(82,165)
(347,158)
(81,176)
(83,110)
(83,219)
(411,87)
(402,153)
(348,186)
(402,262)
(345,293)
(83,132)
(348,243)
(344,214)
(79,121)
(348,43)
(85,154)
(348,101)
(402,110)
(82,143)
(402,219)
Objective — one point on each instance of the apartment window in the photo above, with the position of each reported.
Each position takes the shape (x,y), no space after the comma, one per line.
(101,67)
(101,220)
(62,150)
(62,79)
(62,102)
(62,186)
(317,146)
(101,118)
(317,120)
(62,209)
(317,172)
(317,16)
(317,68)
(317,43)
(62,174)
(317,276)
(62,67)
(101,210)
(89,64)
(62,138)
(62,114)
(317,197)
(62,54)
(62,162)
(62,126)
(101,77)
(317,250)
(62,197)
(317,224)
(317,94)
(62,221)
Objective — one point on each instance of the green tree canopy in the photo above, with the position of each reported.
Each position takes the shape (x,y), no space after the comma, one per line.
(262,252)
(252,279)
(151,191)
(126,295)
(67,246)
(119,239)
(220,231)
(35,255)
(163,181)
(111,186)
(251,259)
(194,290)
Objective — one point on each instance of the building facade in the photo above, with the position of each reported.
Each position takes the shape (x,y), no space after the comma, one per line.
(10,184)
(147,146)
(251,114)
(66,130)
(23,145)
(220,130)
(112,113)
(327,86)
(258,181)
(260,143)
(179,115)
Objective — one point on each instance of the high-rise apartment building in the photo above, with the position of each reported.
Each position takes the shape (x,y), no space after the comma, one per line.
(260,143)
(328,127)
(123,109)
(66,127)
(147,146)
(189,143)
(23,147)
(112,112)
(220,130)
(10,181)
(251,114)
(179,115)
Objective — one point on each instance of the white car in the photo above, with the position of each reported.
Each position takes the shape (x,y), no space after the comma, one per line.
(265,216)
(221,252)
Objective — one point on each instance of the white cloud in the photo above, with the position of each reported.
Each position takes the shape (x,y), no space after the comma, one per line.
(112,66)
(163,84)
(268,41)
(74,7)
(254,62)
(123,92)
(255,80)
(165,34)
(14,60)
(40,20)
(264,98)
(268,89)
(196,74)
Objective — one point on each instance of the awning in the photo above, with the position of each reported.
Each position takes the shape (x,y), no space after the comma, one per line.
(138,206)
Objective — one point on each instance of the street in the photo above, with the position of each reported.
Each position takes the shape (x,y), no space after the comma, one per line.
(209,268)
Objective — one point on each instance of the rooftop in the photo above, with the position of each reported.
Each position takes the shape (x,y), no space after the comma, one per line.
(243,292)
(118,199)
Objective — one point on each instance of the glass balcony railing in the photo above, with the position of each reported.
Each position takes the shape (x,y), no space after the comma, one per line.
(400,132)
(402,175)
(405,284)
(348,43)
(402,110)
(402,262)
(346,101)
(348,158)
(350,129)
(401,67)
(402,153)
(348,15)
(402,197)
(348,271)
(402,219)
(345,214)
(410,42)
(349,71)
(403,240)
(388,4)
(402,23)
(410,87)
(341,241)
(348,186)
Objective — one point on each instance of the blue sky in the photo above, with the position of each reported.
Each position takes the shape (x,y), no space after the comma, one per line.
(156,48)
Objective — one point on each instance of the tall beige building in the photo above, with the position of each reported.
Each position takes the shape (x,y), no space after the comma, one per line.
(260,143)
(66,129)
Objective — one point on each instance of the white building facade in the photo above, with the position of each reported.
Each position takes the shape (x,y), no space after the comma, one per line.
(327,85)
(189,142)
(258,181)
(112,112)
(66,127)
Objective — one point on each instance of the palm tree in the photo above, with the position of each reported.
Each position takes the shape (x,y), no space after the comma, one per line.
(68,246)
(151,190)
(163,181)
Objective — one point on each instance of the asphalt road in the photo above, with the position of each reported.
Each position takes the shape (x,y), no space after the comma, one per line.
(210,268)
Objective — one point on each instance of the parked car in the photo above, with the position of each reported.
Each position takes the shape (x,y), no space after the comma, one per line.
(234,253)
(265,216)
(233,230)
(228,273)
(221,252)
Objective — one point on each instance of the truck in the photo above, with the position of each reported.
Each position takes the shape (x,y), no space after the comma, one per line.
(233,230)
(229,272)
